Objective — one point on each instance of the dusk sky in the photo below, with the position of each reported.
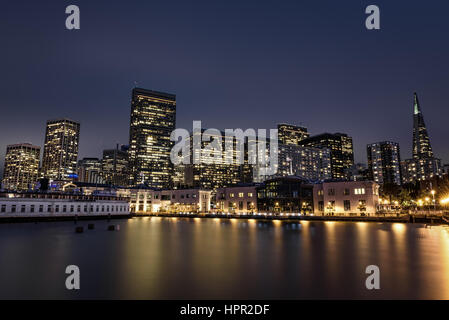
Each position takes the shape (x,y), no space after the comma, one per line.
(231,64)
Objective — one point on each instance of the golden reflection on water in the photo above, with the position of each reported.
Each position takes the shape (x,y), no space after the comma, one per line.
(221,258)
(444,243)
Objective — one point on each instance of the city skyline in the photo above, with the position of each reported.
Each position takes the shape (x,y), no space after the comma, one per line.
(416,106)
(334,76)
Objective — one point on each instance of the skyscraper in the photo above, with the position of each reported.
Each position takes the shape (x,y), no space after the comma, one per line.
(424,165)
(308,163)
(384,162)
(153,118)
(115,167)
(421,140)
(21,166)
(290,134)
(60,149)
(341,149)
(220,172)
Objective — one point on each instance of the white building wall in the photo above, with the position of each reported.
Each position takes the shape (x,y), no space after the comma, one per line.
(24,207)
(346,198)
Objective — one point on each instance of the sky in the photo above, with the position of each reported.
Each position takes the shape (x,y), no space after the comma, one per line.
(232,64)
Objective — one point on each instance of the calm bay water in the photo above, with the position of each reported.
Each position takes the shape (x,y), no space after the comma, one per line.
(181,258)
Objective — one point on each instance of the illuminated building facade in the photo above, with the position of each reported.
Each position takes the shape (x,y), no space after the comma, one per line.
(238,199)
(21,166)
(285,195)
(384,162)
(61,149)
(423,165)
(153,118)
(346,198)
(152,201)
(421,140)
(221,171)
(89,170)
(420,169)
(114,167)
(290,134)
(341,150)
(309,163)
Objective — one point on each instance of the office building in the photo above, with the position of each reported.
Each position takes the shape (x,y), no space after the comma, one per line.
(341,150)
(290,134)
(114,167)
(21,166)
(153,118)
(217,170)
(61,149)
(423,165)
(89,170)
(308,163)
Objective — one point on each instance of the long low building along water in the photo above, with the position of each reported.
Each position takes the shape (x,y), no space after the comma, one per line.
(61,205)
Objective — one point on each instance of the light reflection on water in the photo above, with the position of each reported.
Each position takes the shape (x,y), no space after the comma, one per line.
(184,258)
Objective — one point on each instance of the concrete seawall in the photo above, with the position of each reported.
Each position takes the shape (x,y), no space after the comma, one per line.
(401,219)
(38,218)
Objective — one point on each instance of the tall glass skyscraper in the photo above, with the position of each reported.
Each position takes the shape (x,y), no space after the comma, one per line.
(61,149)
(423,165)
(153,118)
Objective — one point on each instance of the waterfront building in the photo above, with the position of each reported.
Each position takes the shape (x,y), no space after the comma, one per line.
(60,205)
(384,162)
(145,200)
(61,149)
(346,198)
(309,163)
(341,151)
(423,165)
(153,118)
(290,134)
(285,195)
(114,167)
(89,170)
(241,199)
(21,166)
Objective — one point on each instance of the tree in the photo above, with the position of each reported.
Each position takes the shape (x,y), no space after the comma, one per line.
(391,191)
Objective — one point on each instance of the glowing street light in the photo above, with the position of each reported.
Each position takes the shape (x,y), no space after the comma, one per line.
(434,202)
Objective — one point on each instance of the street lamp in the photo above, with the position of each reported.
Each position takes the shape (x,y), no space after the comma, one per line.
(420,203)
(433,200)
(427,202)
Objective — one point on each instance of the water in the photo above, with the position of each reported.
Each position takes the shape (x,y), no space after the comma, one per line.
(181,258)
